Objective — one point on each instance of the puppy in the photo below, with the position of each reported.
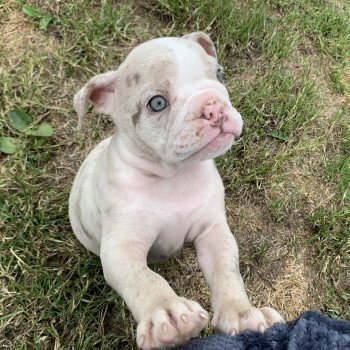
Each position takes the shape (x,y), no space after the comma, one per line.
(153,187)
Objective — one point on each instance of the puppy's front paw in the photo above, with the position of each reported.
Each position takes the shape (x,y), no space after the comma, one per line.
(231,319)
(172,322)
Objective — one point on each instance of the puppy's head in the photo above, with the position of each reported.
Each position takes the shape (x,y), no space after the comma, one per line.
(168,99)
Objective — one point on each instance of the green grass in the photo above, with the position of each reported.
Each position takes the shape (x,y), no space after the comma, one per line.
(89,30)
(243,30)
(332,221)
(287,71)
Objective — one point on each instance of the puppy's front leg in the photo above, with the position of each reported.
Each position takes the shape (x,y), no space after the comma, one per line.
(217,256)
(163,318)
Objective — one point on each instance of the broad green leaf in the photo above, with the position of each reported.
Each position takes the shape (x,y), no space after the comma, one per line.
(9,145)
(45,21)
(44,130)
(32,11)
(38,142)
(19,119)
(279,136)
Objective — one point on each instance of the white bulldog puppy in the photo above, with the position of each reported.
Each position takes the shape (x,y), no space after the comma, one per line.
(153,187)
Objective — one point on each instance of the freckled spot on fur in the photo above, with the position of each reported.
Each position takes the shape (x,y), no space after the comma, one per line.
(132,79)
(136,78)
(186,137)
(136,116)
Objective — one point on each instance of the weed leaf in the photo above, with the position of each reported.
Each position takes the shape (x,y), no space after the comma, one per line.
(9,145)
(44,130)
(38,142)
(19,119)
(279,136)
(45,21)
(32,11)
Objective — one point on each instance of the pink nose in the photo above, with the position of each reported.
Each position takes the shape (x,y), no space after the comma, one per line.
(214,111)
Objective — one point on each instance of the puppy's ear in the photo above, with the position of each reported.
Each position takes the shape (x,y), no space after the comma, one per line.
(101,91)
(203,40)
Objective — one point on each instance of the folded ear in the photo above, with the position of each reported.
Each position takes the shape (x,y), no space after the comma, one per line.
(203,40)
(101,91)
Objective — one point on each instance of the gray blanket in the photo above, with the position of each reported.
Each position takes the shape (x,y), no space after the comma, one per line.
(310,331)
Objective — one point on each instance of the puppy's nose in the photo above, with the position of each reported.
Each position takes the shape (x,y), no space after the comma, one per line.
(213,111)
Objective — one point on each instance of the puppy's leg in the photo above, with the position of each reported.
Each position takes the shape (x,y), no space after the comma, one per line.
(217,256)
(163,318)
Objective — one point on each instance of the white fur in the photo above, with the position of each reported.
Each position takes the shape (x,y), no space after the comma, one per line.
(136,197)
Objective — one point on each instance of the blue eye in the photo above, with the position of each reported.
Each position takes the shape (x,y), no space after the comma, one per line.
(157,103)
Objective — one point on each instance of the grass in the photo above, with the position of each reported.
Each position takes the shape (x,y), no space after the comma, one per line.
(287,181)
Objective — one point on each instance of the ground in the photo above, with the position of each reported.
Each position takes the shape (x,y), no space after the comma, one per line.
(287,181)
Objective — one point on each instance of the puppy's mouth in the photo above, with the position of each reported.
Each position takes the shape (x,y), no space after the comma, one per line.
(219,144)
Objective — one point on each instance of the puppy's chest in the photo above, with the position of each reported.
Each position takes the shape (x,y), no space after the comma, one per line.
(178,202)
(170,239)
(177,212)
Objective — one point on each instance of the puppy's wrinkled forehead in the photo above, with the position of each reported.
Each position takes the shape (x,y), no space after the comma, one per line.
(165,62)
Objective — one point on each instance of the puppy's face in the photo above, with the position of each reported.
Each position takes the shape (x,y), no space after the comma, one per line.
(168,99)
